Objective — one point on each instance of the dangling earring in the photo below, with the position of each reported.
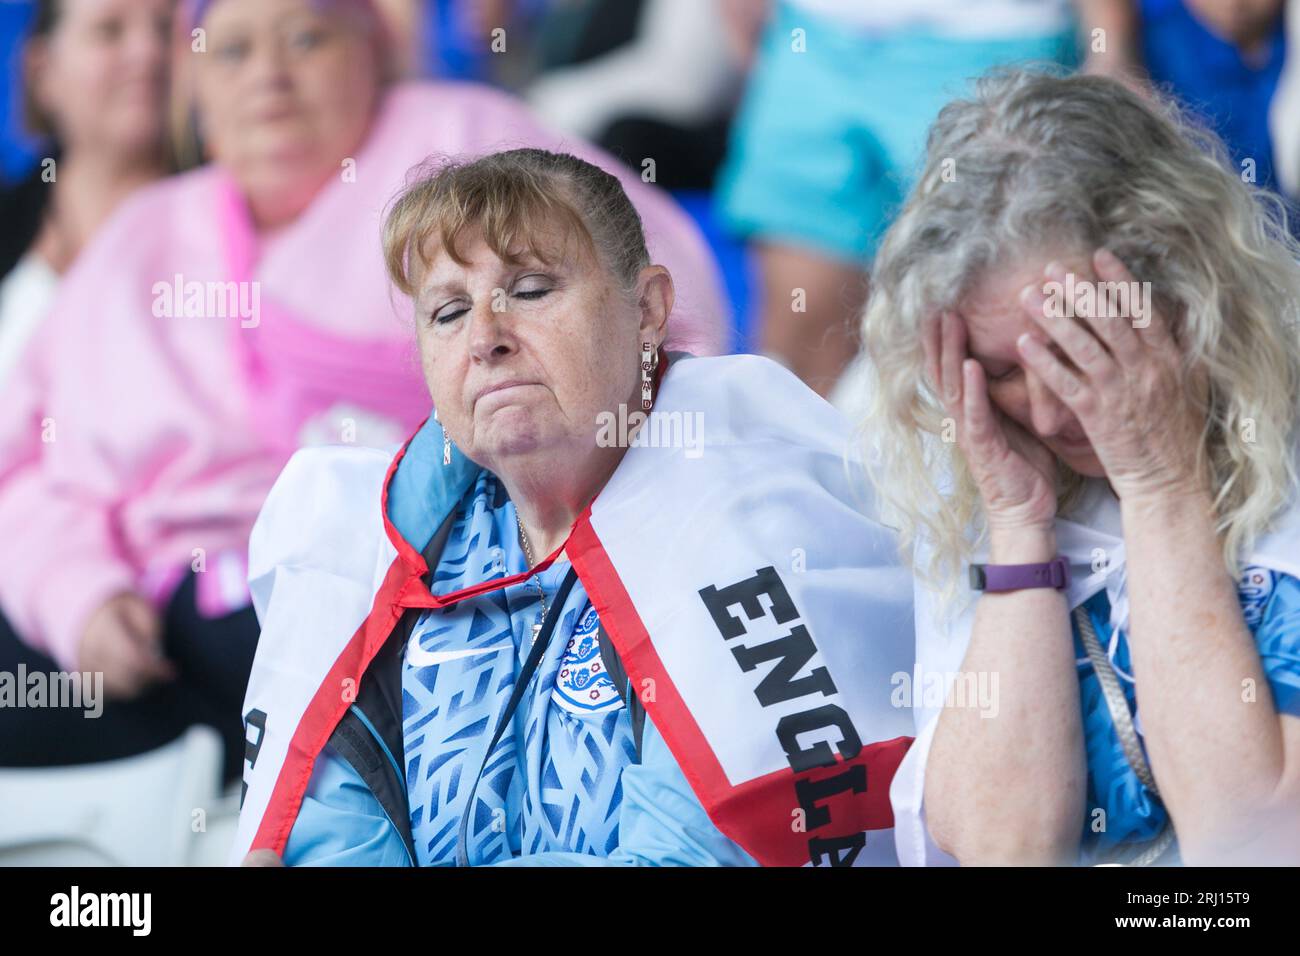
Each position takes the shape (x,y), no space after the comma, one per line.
(649,362)
(446,441)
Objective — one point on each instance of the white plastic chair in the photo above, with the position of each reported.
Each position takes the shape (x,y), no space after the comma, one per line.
(162,808)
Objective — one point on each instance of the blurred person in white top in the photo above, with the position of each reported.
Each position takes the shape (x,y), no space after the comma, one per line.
(95,83)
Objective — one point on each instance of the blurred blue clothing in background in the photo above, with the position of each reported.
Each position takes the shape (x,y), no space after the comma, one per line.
(449,51)
(1210,76)
(17,149)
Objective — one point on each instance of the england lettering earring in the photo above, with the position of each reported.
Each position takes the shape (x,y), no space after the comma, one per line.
(649,362)
(446,441)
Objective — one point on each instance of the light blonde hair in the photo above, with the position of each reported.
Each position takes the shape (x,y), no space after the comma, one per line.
(1045,161)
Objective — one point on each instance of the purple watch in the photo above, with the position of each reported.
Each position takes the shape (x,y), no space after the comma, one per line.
(1014,577)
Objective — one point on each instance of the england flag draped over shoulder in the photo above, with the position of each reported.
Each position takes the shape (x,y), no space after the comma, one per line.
(734,558)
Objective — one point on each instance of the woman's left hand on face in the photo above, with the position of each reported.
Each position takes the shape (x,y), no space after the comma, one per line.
(1130,396)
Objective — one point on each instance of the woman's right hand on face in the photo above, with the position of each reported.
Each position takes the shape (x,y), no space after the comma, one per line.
(1015,472)
(123,640)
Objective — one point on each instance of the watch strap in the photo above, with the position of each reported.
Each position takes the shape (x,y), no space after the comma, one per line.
(1015,577)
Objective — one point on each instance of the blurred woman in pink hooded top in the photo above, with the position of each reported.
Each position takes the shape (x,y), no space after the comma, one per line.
(219,321)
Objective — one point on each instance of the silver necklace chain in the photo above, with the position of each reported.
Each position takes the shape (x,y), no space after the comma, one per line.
(541,594)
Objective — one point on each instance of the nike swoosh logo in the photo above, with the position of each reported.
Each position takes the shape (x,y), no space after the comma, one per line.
(417,656)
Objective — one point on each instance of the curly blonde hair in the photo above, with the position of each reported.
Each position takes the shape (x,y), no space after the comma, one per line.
(1049,161)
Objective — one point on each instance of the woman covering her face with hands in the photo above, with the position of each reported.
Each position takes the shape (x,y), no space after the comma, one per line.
(1088,337)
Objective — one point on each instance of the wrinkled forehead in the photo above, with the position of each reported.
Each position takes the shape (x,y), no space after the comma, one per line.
(443,270)
(444,259)
(447,275)
(993,312)
(996,318)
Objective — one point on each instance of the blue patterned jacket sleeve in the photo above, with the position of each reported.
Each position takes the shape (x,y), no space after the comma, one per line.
(661,822)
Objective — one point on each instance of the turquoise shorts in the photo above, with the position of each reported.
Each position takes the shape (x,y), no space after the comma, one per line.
(828,141)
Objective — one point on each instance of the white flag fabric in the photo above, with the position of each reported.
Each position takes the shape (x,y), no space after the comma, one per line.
(734,559)
(1093,542)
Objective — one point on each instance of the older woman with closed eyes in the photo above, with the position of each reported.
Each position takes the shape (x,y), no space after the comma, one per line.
(563,633)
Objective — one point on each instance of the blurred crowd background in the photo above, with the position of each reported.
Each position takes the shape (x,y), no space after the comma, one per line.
(788,131)
(791,166)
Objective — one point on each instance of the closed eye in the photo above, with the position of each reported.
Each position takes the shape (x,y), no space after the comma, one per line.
(451,315)
(534,285)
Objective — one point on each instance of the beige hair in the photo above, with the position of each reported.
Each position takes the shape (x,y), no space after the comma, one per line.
(513,196)
(1044,161)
